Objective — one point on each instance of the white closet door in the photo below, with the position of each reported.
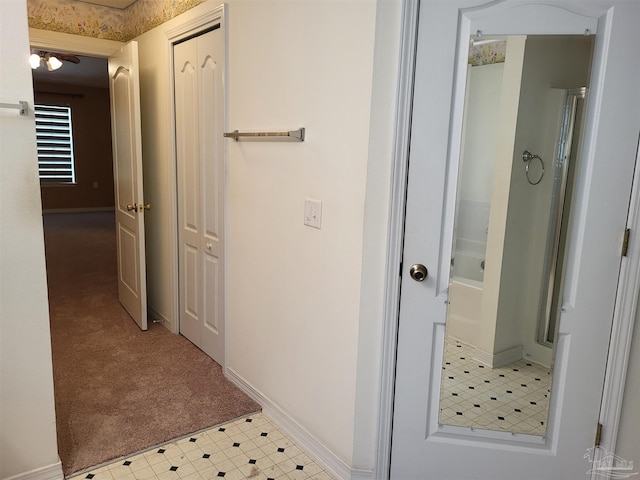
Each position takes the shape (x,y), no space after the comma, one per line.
(199,107)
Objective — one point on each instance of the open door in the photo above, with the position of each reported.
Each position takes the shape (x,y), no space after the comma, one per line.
(124,86)
(466,409)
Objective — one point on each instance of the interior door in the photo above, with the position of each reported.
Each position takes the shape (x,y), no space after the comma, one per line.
(423,445)
(199,107)
(127,165)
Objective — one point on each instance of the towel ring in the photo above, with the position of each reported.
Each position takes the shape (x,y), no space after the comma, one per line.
(527,157)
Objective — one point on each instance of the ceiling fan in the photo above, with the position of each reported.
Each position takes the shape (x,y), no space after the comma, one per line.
(52,60)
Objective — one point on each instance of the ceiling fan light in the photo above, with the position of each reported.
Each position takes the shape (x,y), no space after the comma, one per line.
(53,63)
(34,60)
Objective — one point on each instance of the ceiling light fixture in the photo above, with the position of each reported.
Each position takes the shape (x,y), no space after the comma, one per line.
(41,58)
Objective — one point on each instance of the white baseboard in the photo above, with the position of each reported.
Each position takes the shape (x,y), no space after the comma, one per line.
(79,210)
(499,359)
(50,472)
(324,457)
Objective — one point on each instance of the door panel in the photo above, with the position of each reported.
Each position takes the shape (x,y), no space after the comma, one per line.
(127,164)
(421,447)
(199,105)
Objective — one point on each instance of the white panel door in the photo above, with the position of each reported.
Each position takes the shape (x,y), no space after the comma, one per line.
(127,165)
(199,107)
(421,447)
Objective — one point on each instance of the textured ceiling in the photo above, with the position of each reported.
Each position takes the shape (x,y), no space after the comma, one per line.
(122,4)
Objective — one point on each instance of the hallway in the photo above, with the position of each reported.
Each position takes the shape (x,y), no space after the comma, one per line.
(118,389)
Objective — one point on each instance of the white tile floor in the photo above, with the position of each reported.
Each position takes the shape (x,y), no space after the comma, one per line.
(514,398)
(248,448)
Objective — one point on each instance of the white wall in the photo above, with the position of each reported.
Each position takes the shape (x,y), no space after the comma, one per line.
(27,418)
(294,293)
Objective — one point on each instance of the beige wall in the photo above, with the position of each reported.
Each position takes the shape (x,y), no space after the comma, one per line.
(27,418)
(92,147)
(294,293)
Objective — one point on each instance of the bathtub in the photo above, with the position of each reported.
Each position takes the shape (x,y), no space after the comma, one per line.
(465,297)
(468,266)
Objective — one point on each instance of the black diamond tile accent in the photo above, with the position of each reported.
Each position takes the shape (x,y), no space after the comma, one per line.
(494,398)
(447,363)
(466,371)
(452,378)
(517,410)
(472,388)
(516,370)
(221,429)
(206,455)
(458,413)
(454,394)
(193,439)
(280,449)
(523,384)
(162,450)
(236,444)
(487,381)
(509,391)
(537,380)
(252,461)
(529,365)
(173,469)
(500,418)
(249,420)
(502,375)
(270,478)
(126,463)
(90,476)
(299,467)
(480,366)
(533,403)
(222,474)
(476,405)
(264,434)
(462,358)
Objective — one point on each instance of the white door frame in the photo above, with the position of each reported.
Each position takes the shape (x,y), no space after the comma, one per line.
(626,299)
(191,28)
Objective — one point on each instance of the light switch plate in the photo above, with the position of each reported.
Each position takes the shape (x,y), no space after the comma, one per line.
(313,213)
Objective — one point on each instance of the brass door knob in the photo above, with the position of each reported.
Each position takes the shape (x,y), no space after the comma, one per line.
(418,272)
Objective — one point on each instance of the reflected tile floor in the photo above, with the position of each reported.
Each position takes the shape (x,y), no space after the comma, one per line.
(514,398)
(248,448)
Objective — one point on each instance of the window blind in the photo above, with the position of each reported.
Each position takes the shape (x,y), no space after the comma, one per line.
(54,135)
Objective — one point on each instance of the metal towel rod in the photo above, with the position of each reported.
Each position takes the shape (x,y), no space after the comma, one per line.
(21,105)
(295,134)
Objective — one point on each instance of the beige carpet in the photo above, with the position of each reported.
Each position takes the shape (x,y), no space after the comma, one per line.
(119,390)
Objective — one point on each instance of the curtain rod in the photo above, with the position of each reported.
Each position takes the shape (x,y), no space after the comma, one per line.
(72,95)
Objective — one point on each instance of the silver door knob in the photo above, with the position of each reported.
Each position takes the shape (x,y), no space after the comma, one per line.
(133,207)
(418,272)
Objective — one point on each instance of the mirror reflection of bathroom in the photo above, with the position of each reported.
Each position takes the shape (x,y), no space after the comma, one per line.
(522,123)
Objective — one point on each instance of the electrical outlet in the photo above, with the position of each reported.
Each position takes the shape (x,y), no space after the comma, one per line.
(313,213)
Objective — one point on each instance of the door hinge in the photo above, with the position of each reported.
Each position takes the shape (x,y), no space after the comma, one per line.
(598,435)
(625,242)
